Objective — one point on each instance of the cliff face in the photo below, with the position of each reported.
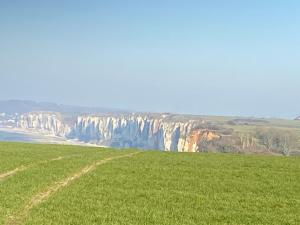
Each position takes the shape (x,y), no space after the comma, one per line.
(159,132)
(132,131)
(46,123)
(198,137)
(139,131)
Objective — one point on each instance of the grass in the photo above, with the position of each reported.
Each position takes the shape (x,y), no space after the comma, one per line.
(150,187)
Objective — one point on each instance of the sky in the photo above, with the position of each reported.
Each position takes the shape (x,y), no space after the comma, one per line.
(214,57)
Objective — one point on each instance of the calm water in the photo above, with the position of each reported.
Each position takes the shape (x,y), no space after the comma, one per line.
(36,138)
(7,136)
(24,137)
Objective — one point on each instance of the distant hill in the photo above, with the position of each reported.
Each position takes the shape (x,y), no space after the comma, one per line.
(22,106)
(298,118)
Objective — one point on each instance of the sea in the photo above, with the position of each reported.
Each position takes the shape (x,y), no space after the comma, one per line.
(7,135)
(16,137)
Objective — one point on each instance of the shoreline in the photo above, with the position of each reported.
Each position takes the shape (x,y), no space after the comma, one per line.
(39,137)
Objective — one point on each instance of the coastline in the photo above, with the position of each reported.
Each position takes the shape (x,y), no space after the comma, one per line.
(34,136)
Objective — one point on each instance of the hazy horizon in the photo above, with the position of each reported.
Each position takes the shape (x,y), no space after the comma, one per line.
(213,58)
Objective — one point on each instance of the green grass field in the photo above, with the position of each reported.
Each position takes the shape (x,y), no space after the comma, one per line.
(64,185)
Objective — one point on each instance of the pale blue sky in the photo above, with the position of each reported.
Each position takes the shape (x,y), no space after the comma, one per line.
(202,57)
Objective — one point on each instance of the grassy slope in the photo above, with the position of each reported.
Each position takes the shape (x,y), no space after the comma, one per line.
(152,187)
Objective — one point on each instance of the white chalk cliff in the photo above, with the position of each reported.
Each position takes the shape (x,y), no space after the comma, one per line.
(44,122)
(145,131)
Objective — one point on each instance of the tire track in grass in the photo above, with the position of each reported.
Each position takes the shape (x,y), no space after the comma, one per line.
(12,172)
(40,197)
(23,167)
